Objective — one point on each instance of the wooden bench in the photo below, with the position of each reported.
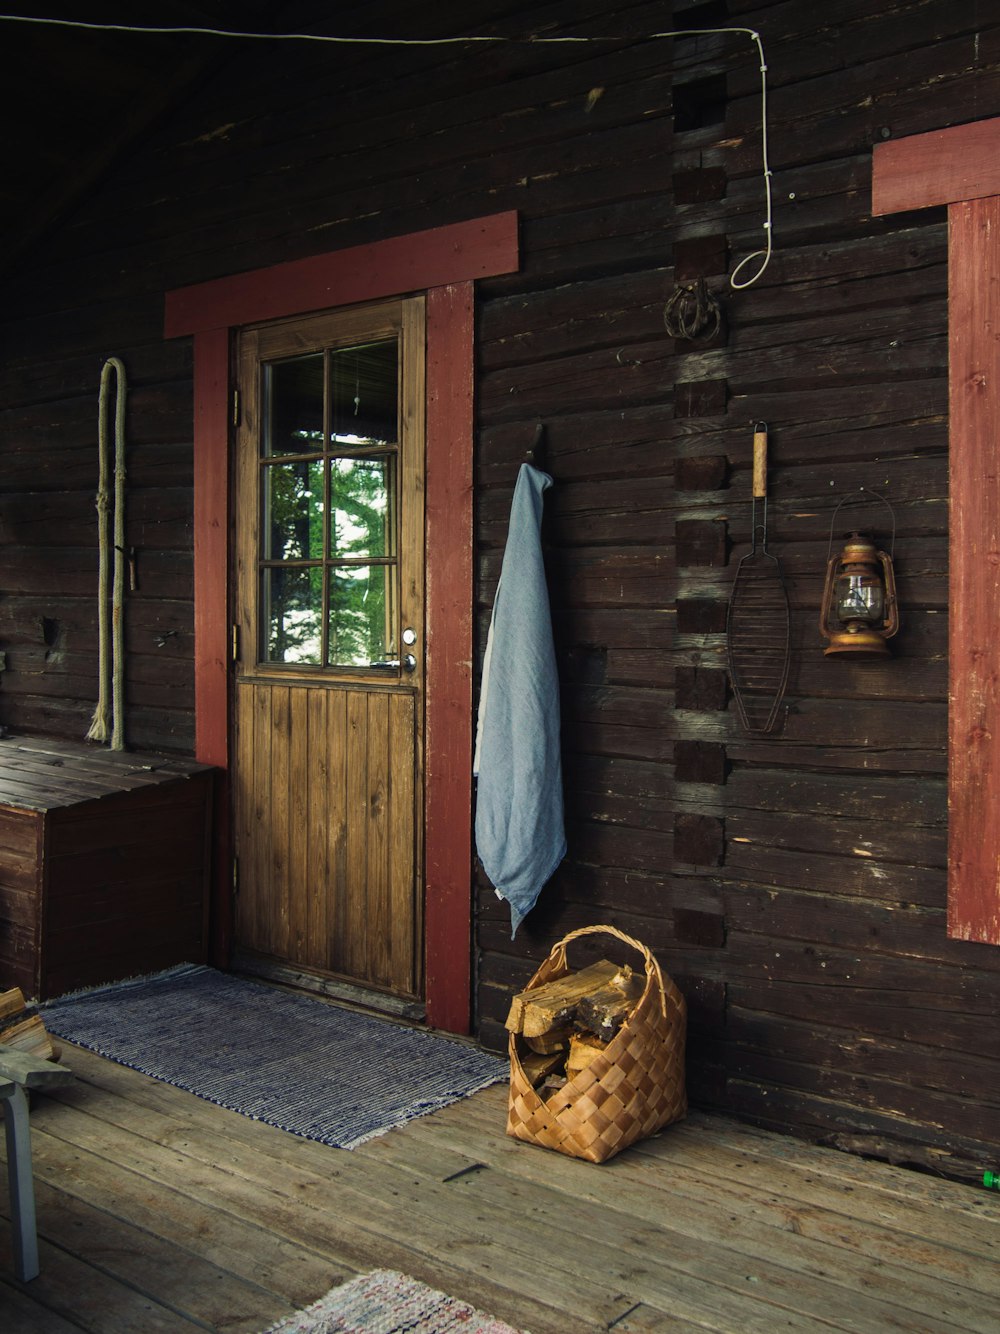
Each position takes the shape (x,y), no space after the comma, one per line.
(18,1073)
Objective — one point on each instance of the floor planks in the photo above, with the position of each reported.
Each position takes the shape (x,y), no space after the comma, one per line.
(161,1212)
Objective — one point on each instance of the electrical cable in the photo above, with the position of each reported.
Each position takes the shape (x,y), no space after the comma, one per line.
(763,255)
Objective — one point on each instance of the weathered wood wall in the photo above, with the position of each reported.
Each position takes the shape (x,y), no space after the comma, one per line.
(794,886)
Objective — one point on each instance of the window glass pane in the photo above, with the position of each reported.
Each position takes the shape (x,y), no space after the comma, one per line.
(293,406)
(362,629)
(293,505)
(364,395)
(293,618)
(363,507)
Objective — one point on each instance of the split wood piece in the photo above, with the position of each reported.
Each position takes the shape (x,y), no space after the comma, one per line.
(538,1067)
(603,1012)
(12,1003)
(582,1050)
(553,1005)
(551,1086)
(556,1040)
(28,1032)
(31,1037)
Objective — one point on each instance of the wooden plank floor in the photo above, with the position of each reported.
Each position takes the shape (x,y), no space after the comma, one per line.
(160,1212)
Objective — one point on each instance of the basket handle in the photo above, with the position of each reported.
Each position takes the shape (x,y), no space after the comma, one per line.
(557,955)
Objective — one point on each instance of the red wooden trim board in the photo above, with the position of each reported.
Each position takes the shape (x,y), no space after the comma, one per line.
(974,580)
(448,731)
(461,252)
(943,167)
(444,262)
(211,546)
(960,167)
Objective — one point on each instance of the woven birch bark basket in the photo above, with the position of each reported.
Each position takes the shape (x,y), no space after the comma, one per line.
(632,1089)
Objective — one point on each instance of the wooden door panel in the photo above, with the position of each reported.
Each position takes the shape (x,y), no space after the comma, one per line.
(325,792)
(279,798)
(376,822)
(298,864)
(405,927)
(328,748)
(323,821)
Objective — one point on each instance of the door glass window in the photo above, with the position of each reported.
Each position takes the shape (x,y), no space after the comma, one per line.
(293,405)
(328,561)
(362,507)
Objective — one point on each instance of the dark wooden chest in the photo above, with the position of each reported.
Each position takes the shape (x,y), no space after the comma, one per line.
(104,864)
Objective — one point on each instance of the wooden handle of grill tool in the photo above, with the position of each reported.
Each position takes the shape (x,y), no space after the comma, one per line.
(760,461)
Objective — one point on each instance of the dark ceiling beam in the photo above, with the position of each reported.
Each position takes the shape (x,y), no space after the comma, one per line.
(188,61)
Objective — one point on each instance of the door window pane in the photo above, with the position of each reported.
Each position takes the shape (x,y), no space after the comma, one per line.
(361,633)
(293,510)
(293,623)
(293,406)
(329,506)
(364,395)
(362,507)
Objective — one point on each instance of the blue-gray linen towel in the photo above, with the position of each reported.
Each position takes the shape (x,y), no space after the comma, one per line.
(520,833)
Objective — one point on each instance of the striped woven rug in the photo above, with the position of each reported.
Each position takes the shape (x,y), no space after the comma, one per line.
(304,1065)
(386,1302)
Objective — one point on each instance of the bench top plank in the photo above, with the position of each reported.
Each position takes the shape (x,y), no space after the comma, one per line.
(19,1068)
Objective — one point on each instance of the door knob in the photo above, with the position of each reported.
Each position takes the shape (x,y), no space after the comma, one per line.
(409,663)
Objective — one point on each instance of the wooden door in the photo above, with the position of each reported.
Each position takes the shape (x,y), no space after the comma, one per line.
(329,616)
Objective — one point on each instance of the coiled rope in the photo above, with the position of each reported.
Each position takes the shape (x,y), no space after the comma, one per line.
(110,629)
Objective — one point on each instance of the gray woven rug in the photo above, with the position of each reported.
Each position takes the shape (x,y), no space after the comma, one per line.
(312,1068)
(386,1302)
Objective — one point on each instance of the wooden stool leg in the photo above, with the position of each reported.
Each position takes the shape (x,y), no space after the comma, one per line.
(22,1186)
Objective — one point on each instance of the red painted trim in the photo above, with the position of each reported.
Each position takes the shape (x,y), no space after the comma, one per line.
(445,260)
(974,597)
(211,612)
(458,253)
(448,724)
(211,546)
(942,167)
(961,167)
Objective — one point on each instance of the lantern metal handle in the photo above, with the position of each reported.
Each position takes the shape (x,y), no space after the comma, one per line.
(848,498)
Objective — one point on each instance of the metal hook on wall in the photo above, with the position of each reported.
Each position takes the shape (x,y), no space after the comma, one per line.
(537,452)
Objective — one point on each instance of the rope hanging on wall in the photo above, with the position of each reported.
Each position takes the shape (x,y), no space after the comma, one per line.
(110,627)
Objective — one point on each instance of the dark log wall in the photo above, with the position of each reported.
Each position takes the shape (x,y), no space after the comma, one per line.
(795,886)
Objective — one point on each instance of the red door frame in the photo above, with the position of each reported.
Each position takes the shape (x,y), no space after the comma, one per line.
(960,167)
(443,262)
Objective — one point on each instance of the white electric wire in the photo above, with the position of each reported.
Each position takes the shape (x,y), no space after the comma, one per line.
(763,255)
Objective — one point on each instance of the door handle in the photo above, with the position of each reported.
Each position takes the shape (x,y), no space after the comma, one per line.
(409,663)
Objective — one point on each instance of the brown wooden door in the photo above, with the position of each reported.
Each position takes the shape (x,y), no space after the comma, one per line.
(329,598)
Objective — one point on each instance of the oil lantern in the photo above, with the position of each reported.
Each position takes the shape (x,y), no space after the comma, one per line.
(859,611)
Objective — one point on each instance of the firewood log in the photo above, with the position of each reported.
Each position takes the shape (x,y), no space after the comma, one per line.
(538,1068)
(557,1039)
(12,1003)
(582,1050)
(541,1009)
(603,1012)
(551,1086)
(29,1036)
